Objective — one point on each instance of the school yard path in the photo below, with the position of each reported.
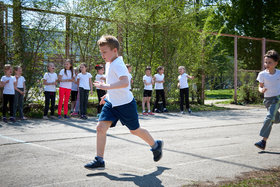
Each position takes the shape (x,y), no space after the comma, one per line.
(204,146)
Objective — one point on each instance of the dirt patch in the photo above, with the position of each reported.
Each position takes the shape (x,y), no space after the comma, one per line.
(264,178)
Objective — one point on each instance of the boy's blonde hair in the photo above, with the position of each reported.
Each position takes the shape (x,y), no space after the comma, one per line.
(182,67)
(160,68)
(17,67)
(110,41)
(7,67)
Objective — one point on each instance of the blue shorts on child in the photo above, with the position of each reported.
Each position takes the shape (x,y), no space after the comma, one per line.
(127,114)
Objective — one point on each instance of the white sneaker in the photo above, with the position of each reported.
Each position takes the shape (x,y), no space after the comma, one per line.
(45,117)
(182,112)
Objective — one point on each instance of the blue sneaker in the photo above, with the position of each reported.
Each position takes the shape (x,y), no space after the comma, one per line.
(261,144)
(66,117)
(5,120)
(59,117)
(158,151)
(95,165)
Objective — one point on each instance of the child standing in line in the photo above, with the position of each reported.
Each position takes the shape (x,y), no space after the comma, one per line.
(85,84)
(129,68)
(65,77)
(148,89)
(159,80)
(184,89)
(49,82)
(9,92)
(119,103)
(74,93)
(269,84)
(19,92)
(100,93)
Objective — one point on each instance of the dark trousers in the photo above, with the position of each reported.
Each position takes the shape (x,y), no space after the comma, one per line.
(18,103)
(49,96)
(8,99)
(100,93)
(184,96)
(83,100)
(160,93)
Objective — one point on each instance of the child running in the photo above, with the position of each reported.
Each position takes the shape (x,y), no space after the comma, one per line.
(119,103)
(9,92)
(130,80)
(269,84)
(159,80)
(100,93)
(148,89)
(184,89)
(50,81)
(65,78)
(19,92)
(85,84)
(74,93)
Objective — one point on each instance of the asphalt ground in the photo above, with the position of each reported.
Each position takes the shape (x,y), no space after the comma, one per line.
(203,146)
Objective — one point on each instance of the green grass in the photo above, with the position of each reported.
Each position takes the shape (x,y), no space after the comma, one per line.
(219,94)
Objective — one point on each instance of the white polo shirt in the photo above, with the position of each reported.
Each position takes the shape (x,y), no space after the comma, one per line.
(148,80)
(98,78)
(20,82)
(271,82)
(9,88)
(129,80)
(183,81)
(158,77)
(50,78)
(113,72)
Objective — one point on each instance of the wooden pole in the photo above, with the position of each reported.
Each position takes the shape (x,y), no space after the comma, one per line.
(67,37)
(235,69)
(2,39)
(120,38)
(263,52)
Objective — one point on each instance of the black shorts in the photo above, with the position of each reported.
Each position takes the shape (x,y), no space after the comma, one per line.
(147,93)
(74,95)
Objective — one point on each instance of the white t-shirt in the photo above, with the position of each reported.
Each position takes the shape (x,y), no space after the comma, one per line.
(148,79)
(74,85)
(20,81)
(158,77)
(98,78)
(9,88)
(84,80)
(183,81)
(67,85)
(50,78)
(129,80)
(113,72)
(271,82)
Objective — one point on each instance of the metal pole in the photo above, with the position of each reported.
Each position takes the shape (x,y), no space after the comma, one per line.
(235,69)
(263,52)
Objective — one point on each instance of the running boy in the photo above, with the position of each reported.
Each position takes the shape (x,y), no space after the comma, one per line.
(269,84)
(9,92)
(159,80)
(119,103)
(184,89)
(148,89)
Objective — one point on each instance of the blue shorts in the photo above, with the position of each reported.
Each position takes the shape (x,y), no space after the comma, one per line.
(127,114)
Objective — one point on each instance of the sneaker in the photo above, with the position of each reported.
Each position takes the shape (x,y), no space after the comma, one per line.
(45,117)
(95,165)
(5,120)
(74,114)
(182,112)
(261,144)
(150,113)
(157,111)
(12,119)
(59,117)
(190,111)
(85,117)
(165,110)
(23,118)
(145,113)
(66,117)
(98,115)
(158,151)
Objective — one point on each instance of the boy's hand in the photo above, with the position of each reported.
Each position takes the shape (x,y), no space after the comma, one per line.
(91,92)
(263,90)
(101,85)
(102,102)
(7,81)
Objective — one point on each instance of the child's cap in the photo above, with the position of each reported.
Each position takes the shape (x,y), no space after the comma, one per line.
(98,67)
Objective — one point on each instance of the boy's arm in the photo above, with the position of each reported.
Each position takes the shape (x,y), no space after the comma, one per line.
(24,88)
(122,83)
(15,86)
(262,89)
(190,77)
(90,84)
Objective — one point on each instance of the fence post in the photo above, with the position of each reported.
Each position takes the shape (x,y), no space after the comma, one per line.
(263,52)
(2,39)
(235,69)
(67,37)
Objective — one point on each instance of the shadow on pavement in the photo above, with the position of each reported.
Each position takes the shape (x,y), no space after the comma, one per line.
(269,152)
(145,180)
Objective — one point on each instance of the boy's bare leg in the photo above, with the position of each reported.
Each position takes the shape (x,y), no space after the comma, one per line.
(148,103)
(143,103)
(144,135)
(102,128)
